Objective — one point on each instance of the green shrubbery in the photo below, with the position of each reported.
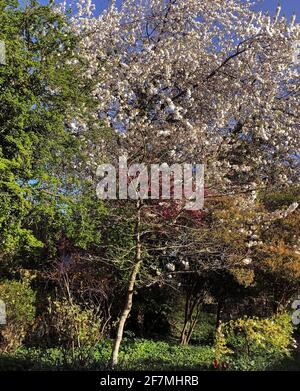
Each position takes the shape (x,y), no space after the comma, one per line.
(73,325)
(157,355)
(254,344)
(19,299)
(135,355)
(243,344)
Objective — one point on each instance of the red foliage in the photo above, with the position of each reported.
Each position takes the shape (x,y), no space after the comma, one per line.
(222,365)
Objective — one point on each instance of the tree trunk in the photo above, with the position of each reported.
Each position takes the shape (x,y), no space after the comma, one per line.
(186,320)
(193,320)
(192,303)
(183,334)
(130,290)
(190,332)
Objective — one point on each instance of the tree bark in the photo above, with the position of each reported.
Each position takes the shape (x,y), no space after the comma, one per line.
(193,302)
(186,320)
(193,319)
(130,290)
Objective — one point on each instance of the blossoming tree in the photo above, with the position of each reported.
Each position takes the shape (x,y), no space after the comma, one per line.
(196,81)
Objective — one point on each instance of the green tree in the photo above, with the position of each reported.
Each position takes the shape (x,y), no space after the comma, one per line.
(43,92)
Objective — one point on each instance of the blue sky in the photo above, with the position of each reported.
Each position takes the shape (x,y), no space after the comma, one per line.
(288,6)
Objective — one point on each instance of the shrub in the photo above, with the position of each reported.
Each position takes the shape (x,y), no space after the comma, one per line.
(253,343)
(73,325)
(19,299)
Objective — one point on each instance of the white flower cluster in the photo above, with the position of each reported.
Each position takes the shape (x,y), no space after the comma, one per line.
(247,261)
(185,265)
(203,79)
(170,267)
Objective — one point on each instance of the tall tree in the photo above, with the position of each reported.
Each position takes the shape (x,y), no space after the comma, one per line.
(190,80)
(43,96)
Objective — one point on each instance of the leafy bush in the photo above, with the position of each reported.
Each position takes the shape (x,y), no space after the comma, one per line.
(254,344)
(19,299)
(73,325)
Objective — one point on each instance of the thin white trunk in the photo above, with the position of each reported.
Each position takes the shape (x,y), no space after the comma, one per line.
(130,290)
